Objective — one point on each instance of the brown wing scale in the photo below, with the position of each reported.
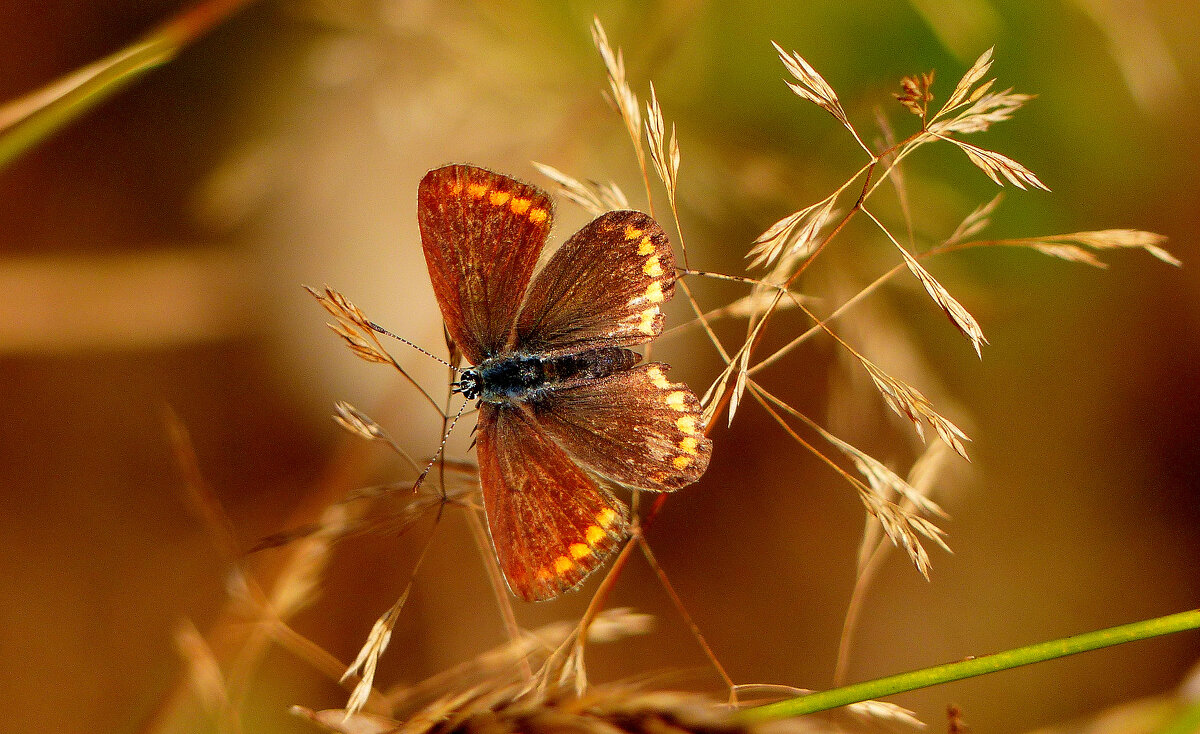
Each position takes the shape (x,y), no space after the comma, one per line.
(482,233)
(634,427)
(604,287)
(551,525)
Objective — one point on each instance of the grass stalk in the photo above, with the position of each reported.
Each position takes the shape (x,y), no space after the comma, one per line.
(970,668)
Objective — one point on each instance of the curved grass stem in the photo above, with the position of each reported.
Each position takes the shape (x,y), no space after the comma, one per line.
(1042,651)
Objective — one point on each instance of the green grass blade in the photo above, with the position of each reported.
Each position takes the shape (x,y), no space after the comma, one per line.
(1015,658)
(26,121)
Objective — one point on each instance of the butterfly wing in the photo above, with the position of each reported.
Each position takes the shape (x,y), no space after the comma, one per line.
(482,234)
(634,427)
(604,287)
(551,525)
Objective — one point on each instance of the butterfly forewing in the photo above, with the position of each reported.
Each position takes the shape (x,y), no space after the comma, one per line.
(551,525)
(634,427)
(604,287)
(482,234)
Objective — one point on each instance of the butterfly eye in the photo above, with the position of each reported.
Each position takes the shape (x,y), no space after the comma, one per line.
(467,385)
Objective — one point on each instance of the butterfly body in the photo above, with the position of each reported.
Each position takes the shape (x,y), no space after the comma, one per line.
(519,377)
(565,407)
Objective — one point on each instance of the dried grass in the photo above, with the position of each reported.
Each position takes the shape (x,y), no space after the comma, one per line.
(795,234)
(593,197)
(663,154)
(500,690)
(1082,247)
(603,710)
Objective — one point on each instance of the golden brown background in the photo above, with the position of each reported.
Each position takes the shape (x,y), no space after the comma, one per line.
(151,256)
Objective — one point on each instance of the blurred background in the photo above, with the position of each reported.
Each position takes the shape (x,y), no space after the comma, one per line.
(151,257)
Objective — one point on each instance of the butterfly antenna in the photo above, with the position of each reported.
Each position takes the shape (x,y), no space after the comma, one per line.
(437,454)
(426,352)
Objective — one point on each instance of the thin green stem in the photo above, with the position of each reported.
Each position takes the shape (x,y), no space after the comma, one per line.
(27,121)
(972,667)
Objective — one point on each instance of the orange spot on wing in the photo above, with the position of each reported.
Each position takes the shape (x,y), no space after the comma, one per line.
(645,247)
(562,564)
(520,206)
(606,517)
(652,267)
(579,550)
(686,424)
(537,216)
(646,326)
(689,444)
(499,197)
(657,378)
(682,462)
(477,190)
(654,292)
(677,400)
(632,232)
(594,534)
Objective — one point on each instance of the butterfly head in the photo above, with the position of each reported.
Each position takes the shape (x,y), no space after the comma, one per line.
(468,384)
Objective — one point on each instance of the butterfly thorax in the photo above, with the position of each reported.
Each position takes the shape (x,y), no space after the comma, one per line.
(515,377)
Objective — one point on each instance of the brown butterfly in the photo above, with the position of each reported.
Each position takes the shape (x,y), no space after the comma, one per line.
(561,398)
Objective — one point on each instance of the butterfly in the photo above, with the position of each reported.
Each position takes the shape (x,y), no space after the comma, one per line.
(562,400)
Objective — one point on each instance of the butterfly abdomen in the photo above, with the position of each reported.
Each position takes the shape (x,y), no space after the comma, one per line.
(510,378)
(589,365)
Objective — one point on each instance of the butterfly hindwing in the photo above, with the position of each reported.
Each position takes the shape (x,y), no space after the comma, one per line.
(634,427)
(551,525)
(604,287)
(482,234)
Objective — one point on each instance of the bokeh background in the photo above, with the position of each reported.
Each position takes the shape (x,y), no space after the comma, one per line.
(151,257)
